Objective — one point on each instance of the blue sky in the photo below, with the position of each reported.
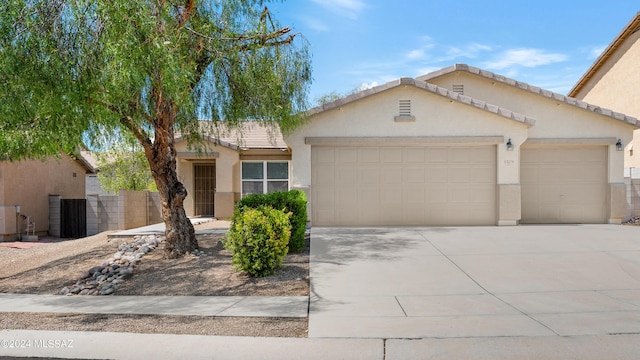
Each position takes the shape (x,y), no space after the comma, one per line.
(363,43)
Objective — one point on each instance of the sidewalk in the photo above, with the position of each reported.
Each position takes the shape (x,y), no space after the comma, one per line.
(249,306)
(113,345)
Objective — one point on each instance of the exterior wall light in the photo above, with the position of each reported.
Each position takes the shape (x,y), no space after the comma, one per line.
(509,145)
(619,146)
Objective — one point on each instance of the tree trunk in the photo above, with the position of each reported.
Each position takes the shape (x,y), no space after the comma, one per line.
(180,234)
(161,155)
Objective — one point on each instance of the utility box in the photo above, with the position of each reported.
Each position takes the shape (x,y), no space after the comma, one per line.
(8,220)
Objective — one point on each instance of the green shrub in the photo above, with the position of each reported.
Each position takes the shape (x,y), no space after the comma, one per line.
(294,201)
(258,240)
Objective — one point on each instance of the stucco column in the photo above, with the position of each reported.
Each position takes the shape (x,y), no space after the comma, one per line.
(224,195)
(509,201)
(301,168)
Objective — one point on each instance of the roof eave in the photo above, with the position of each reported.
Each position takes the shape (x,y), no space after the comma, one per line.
(627,31)
(511,115)
(535,90)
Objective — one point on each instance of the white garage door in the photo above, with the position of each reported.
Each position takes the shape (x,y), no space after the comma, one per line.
(373,186)
(564,185)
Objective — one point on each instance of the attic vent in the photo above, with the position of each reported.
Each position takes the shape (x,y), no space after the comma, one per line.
(404,111)
(405,107)
(458,89)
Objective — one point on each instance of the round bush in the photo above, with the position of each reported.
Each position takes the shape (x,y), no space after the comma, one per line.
(259,240)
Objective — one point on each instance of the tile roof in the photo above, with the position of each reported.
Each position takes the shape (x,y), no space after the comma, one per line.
(632,27)
(429,88)
(533,89)
(248,135)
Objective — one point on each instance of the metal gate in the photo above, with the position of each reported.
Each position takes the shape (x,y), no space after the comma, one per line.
(205,188)
(73,218)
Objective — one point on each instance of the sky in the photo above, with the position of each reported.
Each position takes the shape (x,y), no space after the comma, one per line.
(356,44)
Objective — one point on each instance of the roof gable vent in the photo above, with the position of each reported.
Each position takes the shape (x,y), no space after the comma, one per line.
(404,107)
(404,112)
(458,89)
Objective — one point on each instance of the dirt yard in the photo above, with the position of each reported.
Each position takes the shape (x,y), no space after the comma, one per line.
(47,268)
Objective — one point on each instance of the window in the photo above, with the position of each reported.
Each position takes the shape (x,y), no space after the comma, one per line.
(458,89)
(262,177)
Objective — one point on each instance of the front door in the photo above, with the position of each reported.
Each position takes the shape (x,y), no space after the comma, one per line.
(205,186)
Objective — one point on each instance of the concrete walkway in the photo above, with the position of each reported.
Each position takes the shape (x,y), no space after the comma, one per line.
(526,292)
(158,229)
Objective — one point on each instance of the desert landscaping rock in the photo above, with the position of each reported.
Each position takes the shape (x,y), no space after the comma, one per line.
(106,278)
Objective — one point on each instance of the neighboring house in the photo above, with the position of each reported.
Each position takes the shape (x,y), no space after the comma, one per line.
(461,146)
(25,188)
(235,163)
(92,182)
(613,81)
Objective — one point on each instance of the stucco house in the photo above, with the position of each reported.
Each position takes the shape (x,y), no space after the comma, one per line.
(26,187)
(461,146)
(254,159)
(613,81)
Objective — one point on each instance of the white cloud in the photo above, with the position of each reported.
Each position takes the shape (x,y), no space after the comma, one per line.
(467,51)
(347,8)
(416,54)
(316,24)
(595,52)
(427,70)
(365,86)
(524,57)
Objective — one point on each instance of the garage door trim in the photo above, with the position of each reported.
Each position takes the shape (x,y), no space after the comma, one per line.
(404,141)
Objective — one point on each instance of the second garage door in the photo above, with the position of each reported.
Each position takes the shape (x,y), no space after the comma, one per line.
(564,185)
(375,186)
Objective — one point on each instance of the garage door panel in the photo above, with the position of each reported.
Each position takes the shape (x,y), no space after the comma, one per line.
(438,196)
(486,176)
(368,155)
(437,155)
(368,175)
(459,175)
(392,155)
(414,195)
(564,185)
(344,196)
(415,175)
(437,175)
(391,176)
(414,155)
(345,156)
(345,175)
(324,175)
(406,186)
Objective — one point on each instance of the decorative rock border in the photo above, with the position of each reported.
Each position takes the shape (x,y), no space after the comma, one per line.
(106,278)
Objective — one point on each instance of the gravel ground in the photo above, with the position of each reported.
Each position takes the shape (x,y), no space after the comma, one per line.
(47,268)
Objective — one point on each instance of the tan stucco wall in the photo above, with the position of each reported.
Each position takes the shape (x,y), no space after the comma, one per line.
(554,118)
(616,86)
(555,121)
(435,116)
(228,181)
(29,183)
(225,159)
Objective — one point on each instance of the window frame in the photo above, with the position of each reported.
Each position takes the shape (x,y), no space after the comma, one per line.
(265,176)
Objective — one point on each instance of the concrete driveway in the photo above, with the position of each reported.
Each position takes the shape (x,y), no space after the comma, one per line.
(461,282)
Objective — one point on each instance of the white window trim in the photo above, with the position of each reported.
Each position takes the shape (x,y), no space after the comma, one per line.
(265,180)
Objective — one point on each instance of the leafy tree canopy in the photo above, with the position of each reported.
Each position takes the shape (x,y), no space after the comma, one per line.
(74,68)
(124,168)
(85,69)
